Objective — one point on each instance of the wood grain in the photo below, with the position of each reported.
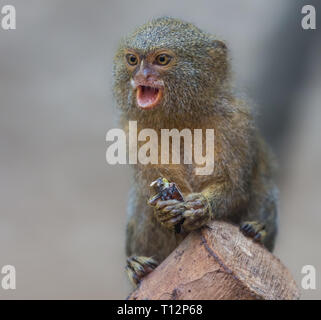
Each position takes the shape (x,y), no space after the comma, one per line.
(218,263)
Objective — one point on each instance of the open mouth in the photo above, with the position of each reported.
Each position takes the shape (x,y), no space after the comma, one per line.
(148,97)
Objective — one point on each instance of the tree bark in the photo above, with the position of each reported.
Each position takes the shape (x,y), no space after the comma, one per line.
(217,263)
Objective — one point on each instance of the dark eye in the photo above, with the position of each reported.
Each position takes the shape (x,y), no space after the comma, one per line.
(131,59)
(163,59)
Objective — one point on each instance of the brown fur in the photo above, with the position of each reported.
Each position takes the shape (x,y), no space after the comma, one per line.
(197,95)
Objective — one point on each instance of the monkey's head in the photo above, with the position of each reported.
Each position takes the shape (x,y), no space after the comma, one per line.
(169,66)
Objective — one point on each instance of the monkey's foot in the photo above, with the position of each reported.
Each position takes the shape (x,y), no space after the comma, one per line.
(192,213)
(254,229)
(138,267)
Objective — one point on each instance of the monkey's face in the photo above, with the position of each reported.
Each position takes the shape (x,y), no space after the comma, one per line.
(147,72)
(170,67)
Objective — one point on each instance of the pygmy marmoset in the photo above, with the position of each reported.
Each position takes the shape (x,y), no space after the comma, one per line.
(170,74)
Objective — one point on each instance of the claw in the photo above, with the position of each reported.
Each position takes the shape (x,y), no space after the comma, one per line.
(254,230)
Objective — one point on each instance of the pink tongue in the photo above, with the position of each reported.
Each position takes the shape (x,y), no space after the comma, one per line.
(148,95)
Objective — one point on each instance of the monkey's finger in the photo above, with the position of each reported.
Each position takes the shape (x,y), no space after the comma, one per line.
(171,223)
(197,204)
(194,219)
(146,262)
(138,266)
(163,203)
(172,211)
(260,236)
(254,229)
(178,207)
(168,215)
(133,277)
(192,214)
(193,225)
(135,266)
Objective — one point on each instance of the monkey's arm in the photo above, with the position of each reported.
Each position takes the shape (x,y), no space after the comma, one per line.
(226,191)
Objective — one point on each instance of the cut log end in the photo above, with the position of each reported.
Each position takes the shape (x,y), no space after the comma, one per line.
(218,263)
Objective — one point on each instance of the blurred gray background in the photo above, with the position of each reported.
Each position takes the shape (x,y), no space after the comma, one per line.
(62,207)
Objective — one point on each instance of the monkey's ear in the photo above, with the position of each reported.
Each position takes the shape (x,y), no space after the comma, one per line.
(218,44)
(217,48)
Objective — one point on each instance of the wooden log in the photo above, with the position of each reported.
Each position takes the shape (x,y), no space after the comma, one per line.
(218,262)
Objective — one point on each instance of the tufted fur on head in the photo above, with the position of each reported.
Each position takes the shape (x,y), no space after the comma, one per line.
(198,78)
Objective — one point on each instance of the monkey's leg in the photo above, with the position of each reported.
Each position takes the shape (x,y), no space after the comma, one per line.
(138,267)
(261,225)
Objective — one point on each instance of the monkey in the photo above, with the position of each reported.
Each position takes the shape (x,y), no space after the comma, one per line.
(170,74)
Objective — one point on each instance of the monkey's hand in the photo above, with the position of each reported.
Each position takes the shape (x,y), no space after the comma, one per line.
(192,213)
